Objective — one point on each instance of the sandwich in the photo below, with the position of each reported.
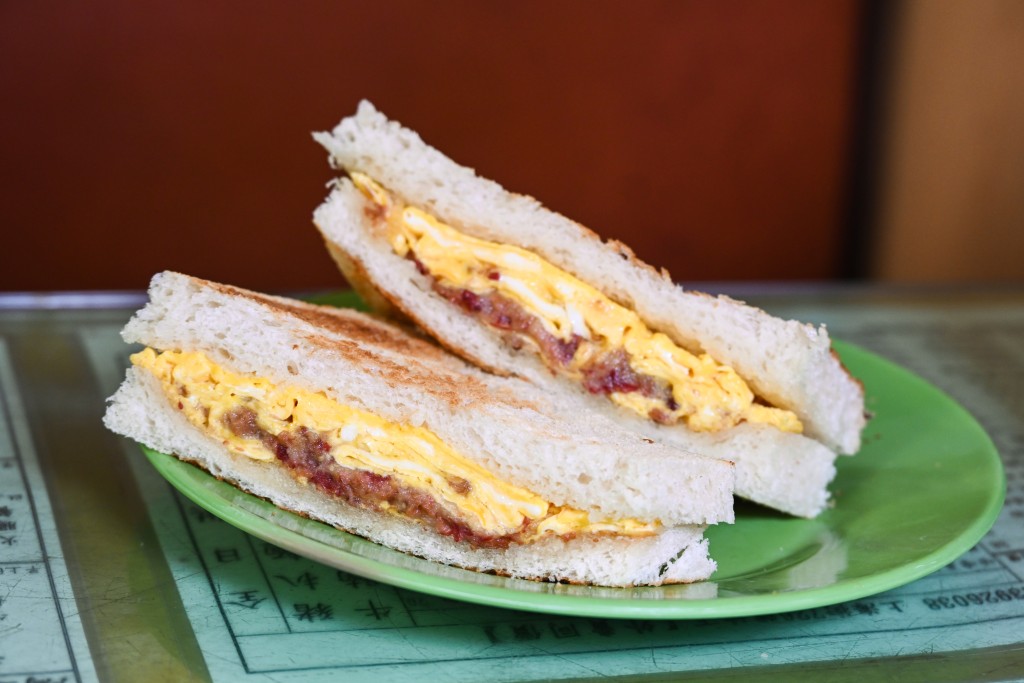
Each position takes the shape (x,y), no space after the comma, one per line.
(519,290)
(355,422)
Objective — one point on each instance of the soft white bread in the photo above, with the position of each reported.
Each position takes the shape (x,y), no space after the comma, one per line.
(140,410)
(787,472)
(789,364)
(507,425)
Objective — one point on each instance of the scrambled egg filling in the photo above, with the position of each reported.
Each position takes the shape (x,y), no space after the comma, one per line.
(705,395)
(207,392)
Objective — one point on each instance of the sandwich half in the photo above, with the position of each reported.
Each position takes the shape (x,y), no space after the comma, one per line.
(522,291)
(338,416)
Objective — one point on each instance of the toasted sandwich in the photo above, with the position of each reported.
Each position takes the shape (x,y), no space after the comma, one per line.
(352,421)
(521,291)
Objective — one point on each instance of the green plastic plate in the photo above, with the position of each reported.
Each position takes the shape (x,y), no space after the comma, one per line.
(926,486)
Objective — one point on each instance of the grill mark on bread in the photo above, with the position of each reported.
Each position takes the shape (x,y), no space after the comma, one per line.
(343,333)
(338,321)
(456,391)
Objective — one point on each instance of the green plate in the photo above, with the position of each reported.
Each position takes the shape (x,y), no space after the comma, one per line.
(927,485)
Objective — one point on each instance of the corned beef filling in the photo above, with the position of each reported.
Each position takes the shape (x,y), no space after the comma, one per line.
(504,314)
(308,456)
(607,373)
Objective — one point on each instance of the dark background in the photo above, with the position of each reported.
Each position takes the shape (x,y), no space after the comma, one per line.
(724,141)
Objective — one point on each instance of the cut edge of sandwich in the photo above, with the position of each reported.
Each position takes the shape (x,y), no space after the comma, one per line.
(788,363)
(784,471)
(227,323)
(677,555)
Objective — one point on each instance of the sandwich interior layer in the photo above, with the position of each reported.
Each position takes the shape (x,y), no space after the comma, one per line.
(363,459)
(579,332)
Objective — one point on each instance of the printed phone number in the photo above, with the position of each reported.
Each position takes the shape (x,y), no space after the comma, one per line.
(976,598)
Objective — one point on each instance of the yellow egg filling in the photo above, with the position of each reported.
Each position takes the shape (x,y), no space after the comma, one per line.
(209,395)
(694,388)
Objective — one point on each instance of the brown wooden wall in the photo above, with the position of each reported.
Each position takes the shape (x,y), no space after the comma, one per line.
(141,136)
(951,177)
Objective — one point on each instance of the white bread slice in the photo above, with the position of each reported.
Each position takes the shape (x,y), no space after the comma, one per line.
(507,425)
(788,472)
(140,410)
(789,364)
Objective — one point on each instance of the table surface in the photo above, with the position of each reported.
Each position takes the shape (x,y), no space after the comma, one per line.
(107,574)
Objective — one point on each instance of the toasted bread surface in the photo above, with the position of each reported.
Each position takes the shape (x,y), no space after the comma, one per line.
(509,426)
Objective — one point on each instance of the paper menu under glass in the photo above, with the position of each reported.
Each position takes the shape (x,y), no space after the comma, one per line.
(263,613)
(41,634)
